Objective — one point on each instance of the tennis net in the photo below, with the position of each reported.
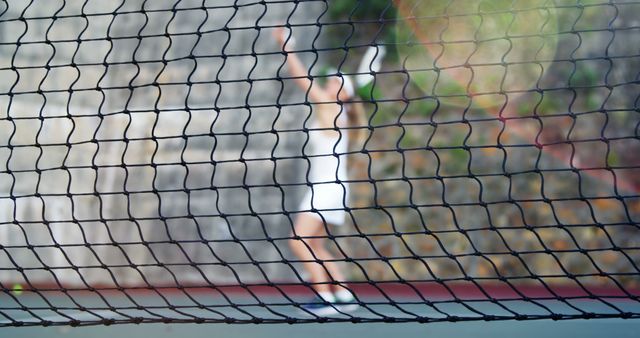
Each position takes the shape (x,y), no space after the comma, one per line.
(154,156)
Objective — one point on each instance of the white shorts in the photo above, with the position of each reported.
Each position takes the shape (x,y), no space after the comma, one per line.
(329,199)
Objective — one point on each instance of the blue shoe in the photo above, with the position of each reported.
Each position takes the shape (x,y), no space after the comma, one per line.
(319,307)
(346,305)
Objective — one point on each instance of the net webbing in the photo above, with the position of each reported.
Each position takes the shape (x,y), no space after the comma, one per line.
(155,155)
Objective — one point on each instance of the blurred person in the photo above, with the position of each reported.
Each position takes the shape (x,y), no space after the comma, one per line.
(333,115)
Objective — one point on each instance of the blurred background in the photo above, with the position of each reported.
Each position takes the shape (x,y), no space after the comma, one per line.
(138,137)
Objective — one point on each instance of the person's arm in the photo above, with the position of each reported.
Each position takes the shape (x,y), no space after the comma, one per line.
(298,71)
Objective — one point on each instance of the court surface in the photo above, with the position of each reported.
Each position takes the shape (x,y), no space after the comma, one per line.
(618,328)
(217,308)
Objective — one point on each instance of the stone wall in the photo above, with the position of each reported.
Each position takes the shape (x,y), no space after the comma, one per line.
(125,88)
(134,165)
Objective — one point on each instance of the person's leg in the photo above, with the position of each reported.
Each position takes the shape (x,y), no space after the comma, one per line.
(322,253)
(341,292)
(310,250)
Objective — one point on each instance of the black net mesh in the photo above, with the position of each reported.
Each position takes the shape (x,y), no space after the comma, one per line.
(154,155)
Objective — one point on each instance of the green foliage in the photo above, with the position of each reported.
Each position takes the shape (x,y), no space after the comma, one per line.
(361,10)
(585,75)
(550,104)
(375,18)
(495,5)
(369,92)
(613,159)
(381,117)
(408,140)
(423,108)
(454,161)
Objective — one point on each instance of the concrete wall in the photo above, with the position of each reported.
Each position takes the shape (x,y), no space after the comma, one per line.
(168,213)
(94,122)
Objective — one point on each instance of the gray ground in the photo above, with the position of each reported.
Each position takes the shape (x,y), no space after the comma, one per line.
(573,328)
(510,328)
